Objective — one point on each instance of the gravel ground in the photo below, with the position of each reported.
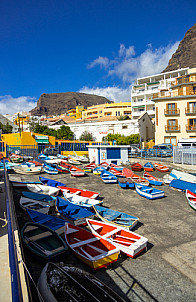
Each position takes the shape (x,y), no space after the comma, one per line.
(167,270)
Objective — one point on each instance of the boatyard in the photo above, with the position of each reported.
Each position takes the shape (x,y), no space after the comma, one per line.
(166,271)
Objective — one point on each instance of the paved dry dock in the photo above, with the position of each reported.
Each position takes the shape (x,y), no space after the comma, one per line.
(167,271)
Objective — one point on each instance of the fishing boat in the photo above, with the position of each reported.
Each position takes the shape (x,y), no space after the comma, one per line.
(62,169)
(42,241)
(116,173)
(39,206)
(183,185)
(77,172)
(136,167)
(127,173)
(152,180)
(108,177)
(126,183)
(50,182)
(23,184)
(42,189)
(129,243)
(161,168)
(15,158)
(62,156)
(93,250)
(53,161)
(191,197)
(27,170)
(73,161)
(104,165)
(116,218)
(40,197)
(81,158)
(140,180)
(148,192)
(65,164)
(43,156)
(167,178)
(84,193)
(27,164)
(116,167)
(98,170)
(89,168)
(81,201)
(75,214)
(54,223)
(37,164)
(148,167)
(50,170)
(72,283)
(183,176)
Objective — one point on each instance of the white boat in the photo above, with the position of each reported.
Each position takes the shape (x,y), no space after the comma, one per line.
(183,176)
(27,170)
(127,242)
(31,204)
(80,200)
(191,197)
(53,161)
(167,178)
(73,161)
(42,189)
(81,158)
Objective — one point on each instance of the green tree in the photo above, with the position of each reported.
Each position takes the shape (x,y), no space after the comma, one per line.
(64,133)
(86,136)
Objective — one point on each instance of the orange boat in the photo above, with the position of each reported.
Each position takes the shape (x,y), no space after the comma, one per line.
(127,173)
(80,192)
(140,180)
(116,172)
(75,171)
(161,168)
(136,167)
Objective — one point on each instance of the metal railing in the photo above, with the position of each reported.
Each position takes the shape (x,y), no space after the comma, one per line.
(172,128)
(172,112)
(184,155)
(191,128)
(190,110)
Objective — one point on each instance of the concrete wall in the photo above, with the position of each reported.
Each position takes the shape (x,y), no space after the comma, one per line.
(99,154)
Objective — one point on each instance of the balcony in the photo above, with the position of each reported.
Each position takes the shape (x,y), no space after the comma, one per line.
(172,128)
(170,112)
(191,128)
(190,111)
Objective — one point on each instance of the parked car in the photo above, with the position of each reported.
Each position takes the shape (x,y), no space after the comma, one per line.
(160,150)
(134,151)
(51,151)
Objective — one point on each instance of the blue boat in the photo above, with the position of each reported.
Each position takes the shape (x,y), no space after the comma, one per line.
(116,218)
(126,183)
(98,170)
(39,197)
(75,214)
(148,192)
(108,177)
(148,167)
(51,182)
(54,223)
(49,169)
(183,185)
(43,157)
(152,180)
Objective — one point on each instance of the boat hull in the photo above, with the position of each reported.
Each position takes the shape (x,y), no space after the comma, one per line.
(149,193)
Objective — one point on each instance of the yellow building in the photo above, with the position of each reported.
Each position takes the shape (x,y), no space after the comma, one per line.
(113,109)
(76,113)
(21,120)
(27,138)
(176,110)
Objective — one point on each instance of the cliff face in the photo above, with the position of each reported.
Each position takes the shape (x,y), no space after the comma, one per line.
(59,103)
(185,55)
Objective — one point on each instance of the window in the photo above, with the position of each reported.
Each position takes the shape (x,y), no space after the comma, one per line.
(124,127)
(172,125)
(171,108)
(100,111)
(192,124)
(170,140)
(113,153)
(191,107)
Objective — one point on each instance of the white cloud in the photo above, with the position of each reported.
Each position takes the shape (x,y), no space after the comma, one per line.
(127,66)
(11,105)
(114,94)
(101,61)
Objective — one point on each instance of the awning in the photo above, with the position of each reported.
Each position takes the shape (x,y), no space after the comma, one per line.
(41,139)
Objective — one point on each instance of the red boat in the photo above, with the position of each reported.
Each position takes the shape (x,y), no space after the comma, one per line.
(80,192)
(136,167)
(140,180)
(62,169)
(90,166)
(116,172)
(161,168)
(127,173)
(37,164)
(65,164)
(104,164)
(152,180)
(75,171)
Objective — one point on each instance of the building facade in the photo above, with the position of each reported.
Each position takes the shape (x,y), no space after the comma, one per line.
(144,88)
(176,110)
(113,109)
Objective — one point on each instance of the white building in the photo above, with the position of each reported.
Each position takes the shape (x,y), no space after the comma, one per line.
(143,126)
(144,88)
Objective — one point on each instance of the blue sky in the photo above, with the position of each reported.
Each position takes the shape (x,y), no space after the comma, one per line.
(88,45)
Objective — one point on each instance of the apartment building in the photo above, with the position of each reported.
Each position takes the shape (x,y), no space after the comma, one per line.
(76,113)
(113,109)
(144,88)
(176,110)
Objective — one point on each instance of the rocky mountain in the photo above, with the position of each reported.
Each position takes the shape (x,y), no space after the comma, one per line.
(185,55)
(59,103)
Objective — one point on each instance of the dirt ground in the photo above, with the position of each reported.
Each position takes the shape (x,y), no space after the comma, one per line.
(167,270)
